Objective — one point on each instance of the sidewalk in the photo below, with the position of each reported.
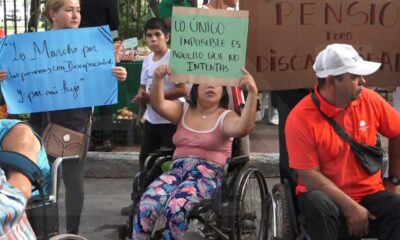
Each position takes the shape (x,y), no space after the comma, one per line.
(104,197)
(108,183)
(123,161)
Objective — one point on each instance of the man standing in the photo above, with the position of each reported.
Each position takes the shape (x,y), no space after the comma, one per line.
(337,197)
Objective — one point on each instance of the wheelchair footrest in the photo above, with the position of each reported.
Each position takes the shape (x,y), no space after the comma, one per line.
(206,205)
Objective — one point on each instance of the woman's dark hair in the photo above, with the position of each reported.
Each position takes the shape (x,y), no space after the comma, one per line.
(224,102)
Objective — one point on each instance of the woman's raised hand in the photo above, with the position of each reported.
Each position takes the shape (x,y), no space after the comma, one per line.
(120,73)
(247,82)
(161,71)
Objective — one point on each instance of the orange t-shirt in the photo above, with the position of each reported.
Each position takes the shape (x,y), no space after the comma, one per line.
(312,142)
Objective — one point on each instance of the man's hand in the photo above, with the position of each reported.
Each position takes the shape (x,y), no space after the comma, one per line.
(390,187)
(357,219)
(142,97)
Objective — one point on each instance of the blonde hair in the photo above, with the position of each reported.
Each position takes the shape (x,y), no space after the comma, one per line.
(52,5)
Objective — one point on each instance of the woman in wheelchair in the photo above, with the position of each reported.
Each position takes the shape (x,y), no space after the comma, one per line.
(205,129)
(16,189)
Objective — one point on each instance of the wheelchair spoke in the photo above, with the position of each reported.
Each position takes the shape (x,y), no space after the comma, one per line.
(251,207)
(280,225)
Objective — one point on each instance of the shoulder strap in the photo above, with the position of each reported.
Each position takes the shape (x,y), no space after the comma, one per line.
(24,165)
(221,119)
(335,126)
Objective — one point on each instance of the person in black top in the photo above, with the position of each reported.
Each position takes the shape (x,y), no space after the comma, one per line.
(285,101)
(63,14)
(96,13)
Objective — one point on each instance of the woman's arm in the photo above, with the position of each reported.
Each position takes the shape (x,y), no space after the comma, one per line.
(168,109)
(235,126)
(21,139)
(180,90)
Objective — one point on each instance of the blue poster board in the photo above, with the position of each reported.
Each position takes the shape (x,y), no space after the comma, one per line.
(58,69)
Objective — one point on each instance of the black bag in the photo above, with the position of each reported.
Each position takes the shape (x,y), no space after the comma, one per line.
(370,157)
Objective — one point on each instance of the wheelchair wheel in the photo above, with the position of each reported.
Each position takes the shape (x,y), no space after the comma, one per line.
(249,216)
(68,237)
(280,225)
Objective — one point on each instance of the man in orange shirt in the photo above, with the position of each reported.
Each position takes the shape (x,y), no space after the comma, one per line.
(336,196)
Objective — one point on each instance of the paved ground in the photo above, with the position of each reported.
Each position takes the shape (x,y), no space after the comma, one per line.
(104,197)
(103,201)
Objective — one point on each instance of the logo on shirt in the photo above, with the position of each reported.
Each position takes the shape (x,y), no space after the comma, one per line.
(363,126)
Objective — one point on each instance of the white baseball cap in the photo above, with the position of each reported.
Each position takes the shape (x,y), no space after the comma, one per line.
(337,59)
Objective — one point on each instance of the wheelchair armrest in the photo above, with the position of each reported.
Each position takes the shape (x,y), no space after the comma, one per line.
(152,169)
(54,175)
(150,160)
(36,201)
(165,151)
(155,170)
(235,163)
(138,185)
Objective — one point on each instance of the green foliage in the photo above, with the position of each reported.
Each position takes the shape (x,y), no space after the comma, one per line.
(131,22)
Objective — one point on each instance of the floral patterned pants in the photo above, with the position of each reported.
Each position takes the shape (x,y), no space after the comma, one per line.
(175,193)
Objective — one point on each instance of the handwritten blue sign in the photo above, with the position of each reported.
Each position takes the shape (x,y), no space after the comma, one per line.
(59,69)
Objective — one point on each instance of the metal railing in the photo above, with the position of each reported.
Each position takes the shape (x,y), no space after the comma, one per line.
(30,11)
(15,11)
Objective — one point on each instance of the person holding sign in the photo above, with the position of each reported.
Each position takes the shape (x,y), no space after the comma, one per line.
(63,14)
(339,195)
(203,140)
(158,131)
(236,95)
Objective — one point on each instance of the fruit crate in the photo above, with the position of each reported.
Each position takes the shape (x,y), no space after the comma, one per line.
(95,137)
(124,132)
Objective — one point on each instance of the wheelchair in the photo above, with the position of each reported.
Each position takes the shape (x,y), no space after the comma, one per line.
(285,221)
(238,211)
(42,210)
